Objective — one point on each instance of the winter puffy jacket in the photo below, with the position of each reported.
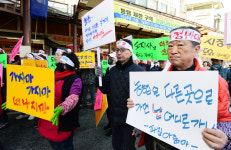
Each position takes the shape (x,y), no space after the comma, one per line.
(116,83)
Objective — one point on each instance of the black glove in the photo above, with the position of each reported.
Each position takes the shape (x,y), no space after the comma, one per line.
(98,71)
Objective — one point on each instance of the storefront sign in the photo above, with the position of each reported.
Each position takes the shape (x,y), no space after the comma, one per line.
(61,40)
(144,19)
(174,107)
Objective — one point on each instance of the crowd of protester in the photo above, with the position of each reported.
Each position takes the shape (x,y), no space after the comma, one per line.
(72,85)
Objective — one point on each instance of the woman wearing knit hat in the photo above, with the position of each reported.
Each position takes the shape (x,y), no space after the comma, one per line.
(59,130)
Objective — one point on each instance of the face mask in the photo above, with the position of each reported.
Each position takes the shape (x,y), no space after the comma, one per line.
(60,67)
(110,61)
(110,66)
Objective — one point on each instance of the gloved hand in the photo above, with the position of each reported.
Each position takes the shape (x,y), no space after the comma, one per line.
(98,71)
(4,106)
(54,119)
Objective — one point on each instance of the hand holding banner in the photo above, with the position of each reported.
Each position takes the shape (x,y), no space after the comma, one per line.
(174,107)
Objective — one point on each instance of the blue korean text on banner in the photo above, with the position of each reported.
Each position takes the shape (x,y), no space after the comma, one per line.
(38,8)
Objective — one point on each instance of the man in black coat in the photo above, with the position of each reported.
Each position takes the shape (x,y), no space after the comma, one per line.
(116,83)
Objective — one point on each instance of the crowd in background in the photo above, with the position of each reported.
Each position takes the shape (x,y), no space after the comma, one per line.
(72,85)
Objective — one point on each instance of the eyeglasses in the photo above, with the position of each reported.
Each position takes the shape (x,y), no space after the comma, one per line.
(117,50)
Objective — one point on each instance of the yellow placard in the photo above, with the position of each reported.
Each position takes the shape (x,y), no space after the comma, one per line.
(145,19)
(41,63)
(29,62)
(213,47)
(35,63)
(31,90)
(86,59)
(99,113)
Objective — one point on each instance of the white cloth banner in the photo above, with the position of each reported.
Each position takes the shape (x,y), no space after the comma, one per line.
(174,106)
(227,29)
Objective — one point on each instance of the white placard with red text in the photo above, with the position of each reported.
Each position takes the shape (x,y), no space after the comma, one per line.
(98,25)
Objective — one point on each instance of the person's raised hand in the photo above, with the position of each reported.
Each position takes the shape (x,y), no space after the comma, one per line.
(98,71)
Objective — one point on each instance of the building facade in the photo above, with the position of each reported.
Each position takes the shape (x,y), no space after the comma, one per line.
(205,12)
(173,7)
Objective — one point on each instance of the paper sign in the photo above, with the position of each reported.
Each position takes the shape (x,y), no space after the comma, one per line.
(161,48)
(31,90)
(104,66)
(24,50)
(29,62)
(144,48)
(3,59)
(85,59)
(16,49)
(98,26)
(227,29)
(99,113)
(35,63)
(174,107)
(98,100)
(41,63)
(1,74)
(52,63)
(213,47)
(151,48)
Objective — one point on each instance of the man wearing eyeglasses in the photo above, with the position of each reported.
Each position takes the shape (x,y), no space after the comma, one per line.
(116,83)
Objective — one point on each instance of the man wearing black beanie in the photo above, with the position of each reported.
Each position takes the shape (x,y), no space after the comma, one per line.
(116,83)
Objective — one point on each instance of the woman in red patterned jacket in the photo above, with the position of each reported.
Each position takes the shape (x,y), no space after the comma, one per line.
(65,120)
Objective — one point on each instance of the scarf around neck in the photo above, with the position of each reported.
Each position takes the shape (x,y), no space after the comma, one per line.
(60,75)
